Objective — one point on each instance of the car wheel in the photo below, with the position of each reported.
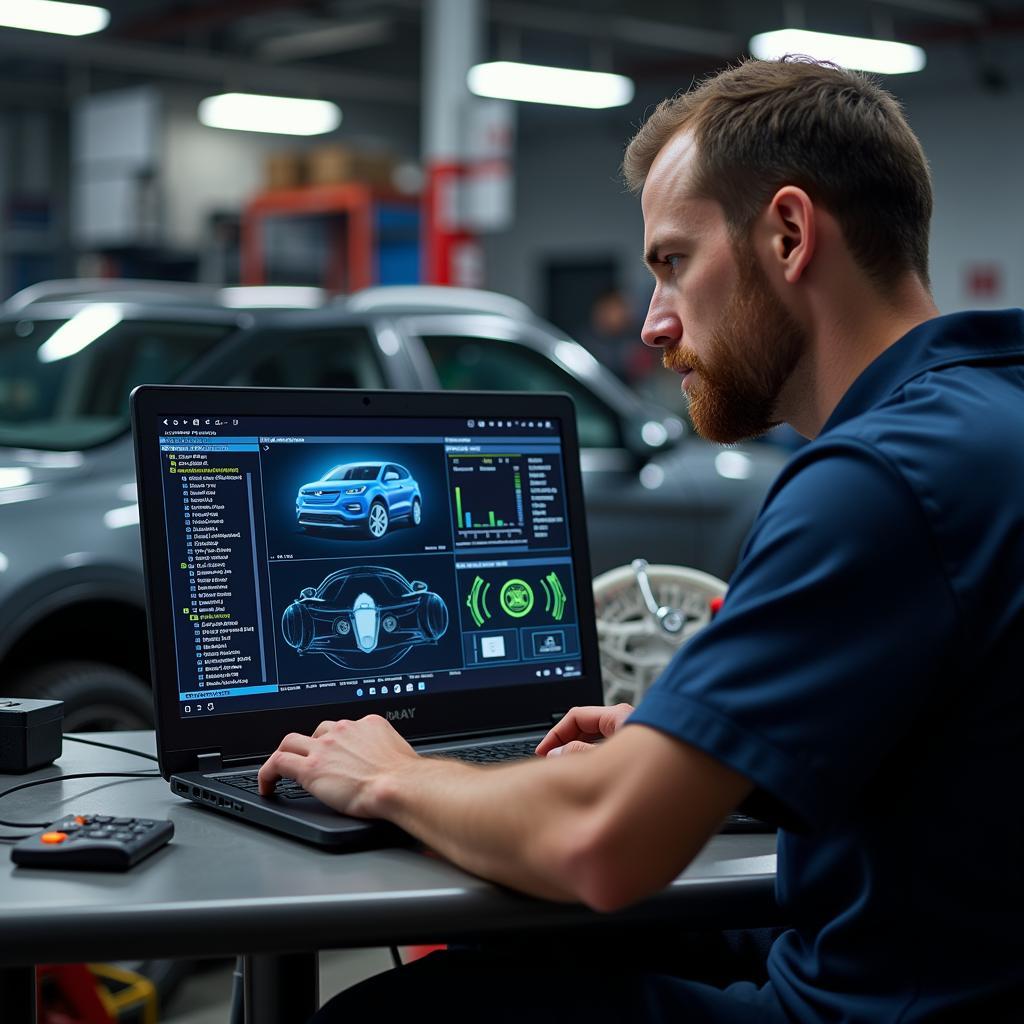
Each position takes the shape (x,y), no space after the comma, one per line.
(96,697)
(378,520)
(417,512)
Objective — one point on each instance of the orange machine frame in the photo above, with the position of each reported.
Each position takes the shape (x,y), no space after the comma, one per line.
(351,265)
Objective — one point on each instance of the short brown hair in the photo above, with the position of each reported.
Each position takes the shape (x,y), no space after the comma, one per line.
(834,133)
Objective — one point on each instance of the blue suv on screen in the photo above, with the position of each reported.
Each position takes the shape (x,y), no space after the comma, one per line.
(367,496)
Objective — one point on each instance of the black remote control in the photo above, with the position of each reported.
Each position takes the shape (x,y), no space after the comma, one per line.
(97,842)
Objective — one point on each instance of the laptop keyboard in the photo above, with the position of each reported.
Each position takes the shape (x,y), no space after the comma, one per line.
(249,781)
(489,753)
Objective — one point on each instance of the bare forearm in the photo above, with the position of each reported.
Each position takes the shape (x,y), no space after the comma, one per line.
(516,825)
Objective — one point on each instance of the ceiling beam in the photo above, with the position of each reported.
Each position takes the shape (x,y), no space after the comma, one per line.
(168,62)
(180,21)
(656,34)
(328,38)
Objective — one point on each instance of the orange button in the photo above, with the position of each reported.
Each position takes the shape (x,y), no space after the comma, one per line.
(81,820)
(53,837)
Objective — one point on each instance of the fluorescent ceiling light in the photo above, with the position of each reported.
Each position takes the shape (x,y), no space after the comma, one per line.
(534,83)
(51,16)
(281,115)
(881,55)
(80,331)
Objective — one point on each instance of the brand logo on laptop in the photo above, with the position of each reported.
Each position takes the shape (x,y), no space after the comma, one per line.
(401,713)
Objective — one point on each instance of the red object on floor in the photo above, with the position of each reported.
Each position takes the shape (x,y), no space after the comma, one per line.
(418,952)
(71,996)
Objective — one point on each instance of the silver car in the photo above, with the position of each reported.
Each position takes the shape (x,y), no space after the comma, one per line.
(72,614)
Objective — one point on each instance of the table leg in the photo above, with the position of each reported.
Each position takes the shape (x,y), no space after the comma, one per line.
(18,994)
(282,989)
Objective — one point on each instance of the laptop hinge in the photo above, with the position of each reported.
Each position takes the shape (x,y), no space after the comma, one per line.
(209,762)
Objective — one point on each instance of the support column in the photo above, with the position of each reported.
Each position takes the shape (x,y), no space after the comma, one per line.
(452,44)
(281,989)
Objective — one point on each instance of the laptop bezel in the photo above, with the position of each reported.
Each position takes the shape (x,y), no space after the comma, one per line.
(251,735)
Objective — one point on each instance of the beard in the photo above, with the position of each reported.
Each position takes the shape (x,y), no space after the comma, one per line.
(751,354)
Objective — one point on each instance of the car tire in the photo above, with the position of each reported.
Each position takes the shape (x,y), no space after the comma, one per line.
(377,520)
(416,516)
(96,697)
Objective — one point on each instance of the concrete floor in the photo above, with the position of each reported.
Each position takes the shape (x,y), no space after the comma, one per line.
(205,997)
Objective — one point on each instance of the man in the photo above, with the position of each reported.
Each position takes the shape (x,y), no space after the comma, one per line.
(861,686)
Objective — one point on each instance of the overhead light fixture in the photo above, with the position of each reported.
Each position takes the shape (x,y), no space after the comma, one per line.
(279,115)
(535,83)
(881,55)
(52,16)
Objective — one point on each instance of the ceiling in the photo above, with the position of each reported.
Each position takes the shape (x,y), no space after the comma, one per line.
(370,49)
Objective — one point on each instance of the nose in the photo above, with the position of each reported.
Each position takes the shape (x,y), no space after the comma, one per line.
(662,326)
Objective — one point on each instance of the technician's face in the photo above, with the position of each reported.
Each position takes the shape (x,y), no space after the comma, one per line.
(713,312)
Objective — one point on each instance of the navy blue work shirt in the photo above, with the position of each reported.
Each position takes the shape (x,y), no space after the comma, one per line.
(865,673)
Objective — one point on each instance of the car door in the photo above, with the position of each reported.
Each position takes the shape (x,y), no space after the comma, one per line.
(625,517)
(397,492)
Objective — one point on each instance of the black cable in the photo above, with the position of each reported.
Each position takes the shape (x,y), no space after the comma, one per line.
(64,778)
(111,746)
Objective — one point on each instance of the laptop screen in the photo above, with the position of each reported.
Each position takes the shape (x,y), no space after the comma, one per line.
(343,559)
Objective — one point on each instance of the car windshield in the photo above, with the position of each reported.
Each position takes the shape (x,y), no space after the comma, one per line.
(64,384)
(353,473)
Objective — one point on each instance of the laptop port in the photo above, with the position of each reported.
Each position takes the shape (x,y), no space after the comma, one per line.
(180,787)
(195,792)
(236,806)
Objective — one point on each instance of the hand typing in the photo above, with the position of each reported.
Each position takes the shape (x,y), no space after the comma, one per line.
(339,762)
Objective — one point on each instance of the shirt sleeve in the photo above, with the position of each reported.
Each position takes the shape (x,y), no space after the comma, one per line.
(830,640)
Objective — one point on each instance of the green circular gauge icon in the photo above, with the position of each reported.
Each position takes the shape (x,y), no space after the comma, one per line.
(516,598)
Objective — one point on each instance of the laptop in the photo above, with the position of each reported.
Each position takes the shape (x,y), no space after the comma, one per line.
(316,555)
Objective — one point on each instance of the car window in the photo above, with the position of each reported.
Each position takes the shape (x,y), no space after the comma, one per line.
(336,357)
(392,473)
(357,472)
(66,394)
(487,364)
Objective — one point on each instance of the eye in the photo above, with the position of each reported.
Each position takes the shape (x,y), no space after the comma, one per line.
(673,261)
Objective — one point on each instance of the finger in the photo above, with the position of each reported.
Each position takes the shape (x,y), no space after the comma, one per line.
(578,723)
(322,728)
(613,717)
(280,765)
(575,747)
(296,743)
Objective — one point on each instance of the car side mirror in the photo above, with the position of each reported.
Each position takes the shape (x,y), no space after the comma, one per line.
(418,586)
(307,592)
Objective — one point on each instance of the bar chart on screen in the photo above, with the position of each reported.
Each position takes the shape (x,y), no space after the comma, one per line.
(487,496)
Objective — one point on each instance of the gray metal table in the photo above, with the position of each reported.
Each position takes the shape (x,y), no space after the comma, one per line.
(223,888)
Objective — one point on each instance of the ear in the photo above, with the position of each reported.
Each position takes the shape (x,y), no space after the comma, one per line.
(791,231)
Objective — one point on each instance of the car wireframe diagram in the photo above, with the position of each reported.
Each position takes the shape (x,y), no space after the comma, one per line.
(363,496)
(365,616)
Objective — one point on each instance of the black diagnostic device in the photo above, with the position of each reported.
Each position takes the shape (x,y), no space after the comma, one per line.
(30,733)
(97,842)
